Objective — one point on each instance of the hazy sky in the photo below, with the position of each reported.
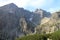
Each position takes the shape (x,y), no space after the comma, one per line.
(48,5)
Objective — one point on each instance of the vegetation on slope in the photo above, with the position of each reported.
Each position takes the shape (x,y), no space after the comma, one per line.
(34,37)
(53,36)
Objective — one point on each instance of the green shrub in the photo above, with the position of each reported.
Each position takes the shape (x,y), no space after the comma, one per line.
(34,37)
(55,35)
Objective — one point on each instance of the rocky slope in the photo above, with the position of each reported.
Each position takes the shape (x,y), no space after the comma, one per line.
(52,25)
(45,16)
(16,22)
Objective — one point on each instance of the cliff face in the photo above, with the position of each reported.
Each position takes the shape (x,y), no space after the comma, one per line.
(16,22)
(52,25)
(45,16)
(10,25)
(43,13)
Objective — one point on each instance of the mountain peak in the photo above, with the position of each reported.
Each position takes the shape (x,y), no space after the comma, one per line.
(37,10)
(9,7)
(11,4)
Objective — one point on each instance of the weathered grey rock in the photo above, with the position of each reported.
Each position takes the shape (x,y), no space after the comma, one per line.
(10,15)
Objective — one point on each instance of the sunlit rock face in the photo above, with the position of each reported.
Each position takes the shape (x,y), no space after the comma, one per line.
(51,25)
(56,18)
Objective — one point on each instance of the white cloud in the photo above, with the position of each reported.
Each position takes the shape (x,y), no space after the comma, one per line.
(54,9)
(22,3)
(28,3)
(4,2)
(37,3)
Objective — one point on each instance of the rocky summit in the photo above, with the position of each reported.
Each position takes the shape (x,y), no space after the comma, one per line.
(17,22)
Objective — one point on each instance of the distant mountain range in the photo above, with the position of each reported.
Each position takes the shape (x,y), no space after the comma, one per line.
(16,22)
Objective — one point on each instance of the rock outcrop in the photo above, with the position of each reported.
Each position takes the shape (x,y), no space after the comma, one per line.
(52,25)
(10,17)
(45,16)
(16,22)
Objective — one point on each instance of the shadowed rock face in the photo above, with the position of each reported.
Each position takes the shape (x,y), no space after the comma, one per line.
(10,16)
(43,13)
